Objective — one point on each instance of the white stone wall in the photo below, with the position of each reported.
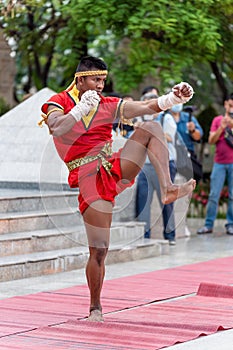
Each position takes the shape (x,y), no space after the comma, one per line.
(27,152)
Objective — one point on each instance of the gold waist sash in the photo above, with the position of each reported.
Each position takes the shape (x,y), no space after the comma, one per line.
(106,151)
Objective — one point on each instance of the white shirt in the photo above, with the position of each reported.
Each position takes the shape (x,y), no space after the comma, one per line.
(170,128)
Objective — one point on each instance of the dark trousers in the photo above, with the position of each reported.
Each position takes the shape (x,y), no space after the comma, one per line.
(147,183)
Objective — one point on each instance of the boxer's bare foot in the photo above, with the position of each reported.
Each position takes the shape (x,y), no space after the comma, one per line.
(95,316)
(174,192)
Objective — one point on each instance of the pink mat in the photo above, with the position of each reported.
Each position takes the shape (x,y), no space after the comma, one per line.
(23,313)
(147,327)
(50,319)
(162,284)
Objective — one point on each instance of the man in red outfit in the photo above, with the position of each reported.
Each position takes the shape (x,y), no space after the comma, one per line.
(80,121)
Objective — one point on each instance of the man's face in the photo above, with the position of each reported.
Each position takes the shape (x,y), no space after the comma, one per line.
(93,82)
(154,91)
(229,107)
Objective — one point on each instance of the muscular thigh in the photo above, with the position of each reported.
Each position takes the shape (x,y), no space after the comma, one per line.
(133,155)
(97,219)
(134,152)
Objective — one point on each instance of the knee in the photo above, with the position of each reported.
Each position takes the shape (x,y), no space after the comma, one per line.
(151,127)
(99,252)
(148,129)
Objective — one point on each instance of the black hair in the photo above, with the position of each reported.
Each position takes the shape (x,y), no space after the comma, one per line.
(127,95)
(229,97)
(148,96)
(91,63)
(149,89)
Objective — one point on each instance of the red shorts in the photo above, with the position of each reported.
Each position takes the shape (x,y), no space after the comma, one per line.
(94,185)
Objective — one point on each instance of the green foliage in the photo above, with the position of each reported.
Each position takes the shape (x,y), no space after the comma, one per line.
(4,107)
(34,27)
(200,199)
(205,119)
(174,28)
(167,39)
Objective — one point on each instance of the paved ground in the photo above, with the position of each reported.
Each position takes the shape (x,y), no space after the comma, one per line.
(188,250)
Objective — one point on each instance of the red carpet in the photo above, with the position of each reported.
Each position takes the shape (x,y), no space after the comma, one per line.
(49,320)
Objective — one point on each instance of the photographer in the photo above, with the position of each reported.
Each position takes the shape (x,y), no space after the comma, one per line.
(221,136)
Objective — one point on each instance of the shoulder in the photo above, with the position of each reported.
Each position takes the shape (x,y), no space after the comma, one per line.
(217,119)
(109,99)
(56,100)
(168,118)
(184,116)
(59,96)
(215,123)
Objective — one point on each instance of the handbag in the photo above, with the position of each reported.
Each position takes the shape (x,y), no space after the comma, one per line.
(188,165)
(197,167)
(229,136)
(183,157)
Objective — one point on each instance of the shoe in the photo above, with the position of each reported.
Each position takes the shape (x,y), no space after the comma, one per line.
(187,233)
(203,230)
(229,230)
(172,242)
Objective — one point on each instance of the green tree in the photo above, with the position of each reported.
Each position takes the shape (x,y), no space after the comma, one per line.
(170,40)
(164,38)
(43,41)
(4,107)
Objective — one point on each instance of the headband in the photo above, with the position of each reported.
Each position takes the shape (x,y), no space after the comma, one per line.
(83,74)
(90,72)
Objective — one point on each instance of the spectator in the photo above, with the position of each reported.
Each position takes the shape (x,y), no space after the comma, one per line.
(148,182)
(222,169)
(191,132)
(146,91)
(188,127)
(150,88)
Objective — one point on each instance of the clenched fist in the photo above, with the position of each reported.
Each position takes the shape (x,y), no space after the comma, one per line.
(181,93)
(89,100)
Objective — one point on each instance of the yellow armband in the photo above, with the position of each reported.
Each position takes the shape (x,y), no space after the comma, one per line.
(45,116)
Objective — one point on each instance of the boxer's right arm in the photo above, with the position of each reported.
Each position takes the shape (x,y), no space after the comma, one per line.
(60,123)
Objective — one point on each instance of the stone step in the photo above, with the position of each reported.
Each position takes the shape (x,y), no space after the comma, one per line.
(64,237)
(16,201)
(14,222)
(28,210)
(42,263)
(34,200)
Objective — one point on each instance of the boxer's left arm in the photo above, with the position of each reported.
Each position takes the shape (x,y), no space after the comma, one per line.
(181,93)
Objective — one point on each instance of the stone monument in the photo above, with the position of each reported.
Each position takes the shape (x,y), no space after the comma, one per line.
(28,158)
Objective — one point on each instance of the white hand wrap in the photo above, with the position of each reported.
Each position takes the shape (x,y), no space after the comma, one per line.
(88,101)
(167,101)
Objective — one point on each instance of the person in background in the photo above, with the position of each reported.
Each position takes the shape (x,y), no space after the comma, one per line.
(222,169)
(80,121)
(188,127)
(147,181)
(150,88)
(191,131)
